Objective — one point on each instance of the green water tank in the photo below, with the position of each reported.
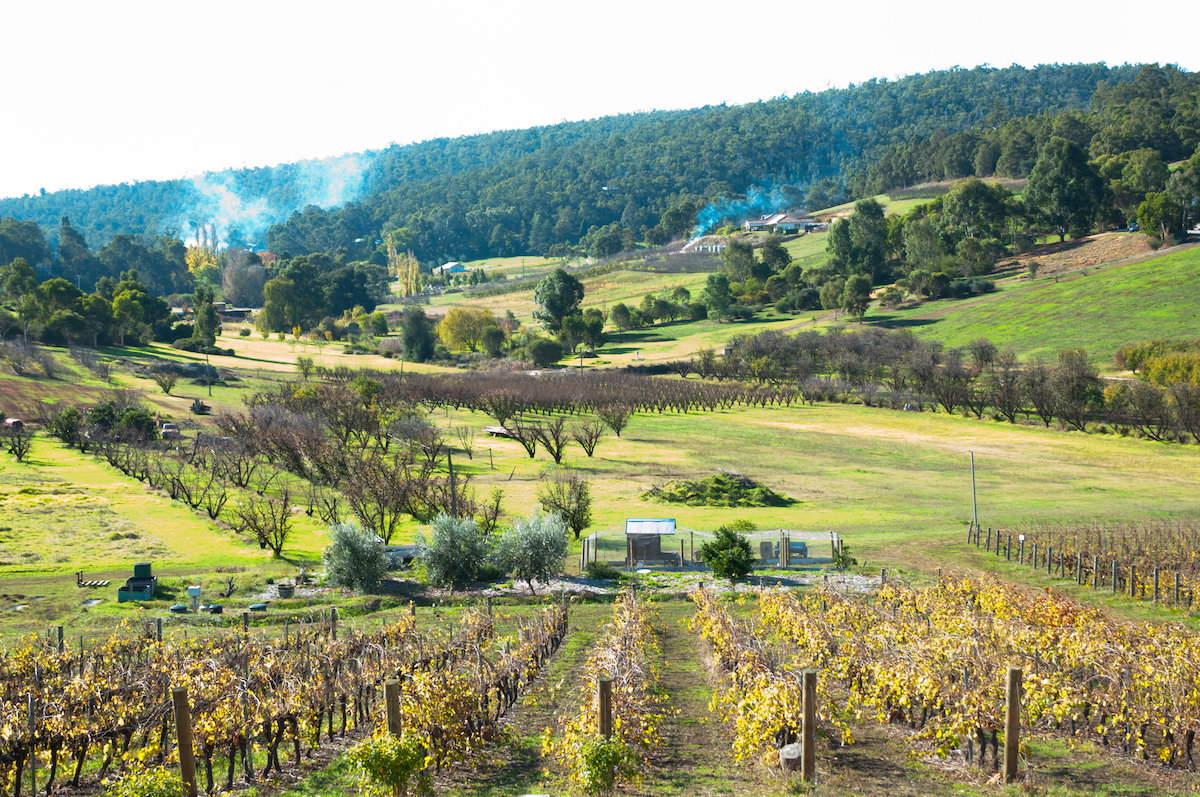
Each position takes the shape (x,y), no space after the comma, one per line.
(142,570)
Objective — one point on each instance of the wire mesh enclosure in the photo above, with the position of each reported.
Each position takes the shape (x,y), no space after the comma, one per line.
(654,543)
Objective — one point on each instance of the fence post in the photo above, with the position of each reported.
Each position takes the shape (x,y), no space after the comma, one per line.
(1177,588)
(157,630)
(391,698)
(1049,560)
(60,640)
(1035,556)
(1114,577)
(1095,572)
(333,617)
(604,685)
(32,757)
(183,738)
(882,576)
(1156,584)
(1133,581)
(808,759)
(1012,724)
(1021,550)
(1008,548)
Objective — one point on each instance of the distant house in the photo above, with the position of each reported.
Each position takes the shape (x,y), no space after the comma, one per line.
(453,267)
(780,223)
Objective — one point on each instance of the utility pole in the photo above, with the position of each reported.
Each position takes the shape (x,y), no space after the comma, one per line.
(974,500)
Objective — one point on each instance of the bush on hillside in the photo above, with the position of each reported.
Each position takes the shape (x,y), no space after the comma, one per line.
(726,488)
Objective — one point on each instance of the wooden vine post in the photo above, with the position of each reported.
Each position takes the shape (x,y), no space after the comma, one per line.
(32,756)
(604,687)
(1012,724)
(391,695)
(183,737)
(808,766)
(391,698)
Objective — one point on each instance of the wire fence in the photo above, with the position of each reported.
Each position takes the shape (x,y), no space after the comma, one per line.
(772,548)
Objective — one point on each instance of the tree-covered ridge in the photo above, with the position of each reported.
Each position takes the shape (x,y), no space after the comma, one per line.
(526,190)
(1159,109)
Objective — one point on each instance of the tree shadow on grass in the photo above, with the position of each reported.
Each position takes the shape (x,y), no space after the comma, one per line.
(892,322)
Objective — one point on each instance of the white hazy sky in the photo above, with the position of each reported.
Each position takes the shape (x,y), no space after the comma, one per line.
(119,91)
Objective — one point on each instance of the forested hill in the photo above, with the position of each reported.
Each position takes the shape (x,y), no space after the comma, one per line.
(525,191)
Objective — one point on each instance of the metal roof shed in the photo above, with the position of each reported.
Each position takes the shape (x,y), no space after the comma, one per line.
(644,540)
(657,526)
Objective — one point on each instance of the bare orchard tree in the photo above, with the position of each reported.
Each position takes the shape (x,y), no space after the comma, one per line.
(588,435)
(1039,390)
(18,440)
(570,496)
(527,435)
(165,377)
(554,438)
(489,513)
(270,520)
(615,417)
(381,490)
(501,404)
(1185,397)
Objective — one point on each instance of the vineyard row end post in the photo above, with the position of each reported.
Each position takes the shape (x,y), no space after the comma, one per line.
(1012,724)
(183,737)
(808,763)
(391,696)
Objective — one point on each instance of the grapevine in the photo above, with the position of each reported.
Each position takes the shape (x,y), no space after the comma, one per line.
(625,653)
(114,702)
(934,659)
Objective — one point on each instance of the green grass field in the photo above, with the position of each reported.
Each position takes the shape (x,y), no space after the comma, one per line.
(1098,312)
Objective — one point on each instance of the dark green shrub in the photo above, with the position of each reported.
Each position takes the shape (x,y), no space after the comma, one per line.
(601,571)
(728,555)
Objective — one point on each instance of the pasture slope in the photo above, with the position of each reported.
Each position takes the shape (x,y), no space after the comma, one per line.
(896,486)
(1096,309)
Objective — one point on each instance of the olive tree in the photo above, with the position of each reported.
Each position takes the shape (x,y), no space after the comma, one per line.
(354,558)
(452,551)
(533,547)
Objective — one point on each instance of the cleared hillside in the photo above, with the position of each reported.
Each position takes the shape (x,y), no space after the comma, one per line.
(1095,310)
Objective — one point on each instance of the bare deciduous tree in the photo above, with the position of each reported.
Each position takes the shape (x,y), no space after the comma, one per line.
(615,417)
(270,520)
(554,438)
(165,377)
(570,496)
(588,435)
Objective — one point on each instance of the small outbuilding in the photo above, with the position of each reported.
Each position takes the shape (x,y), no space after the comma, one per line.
(643,541)
(453,267)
